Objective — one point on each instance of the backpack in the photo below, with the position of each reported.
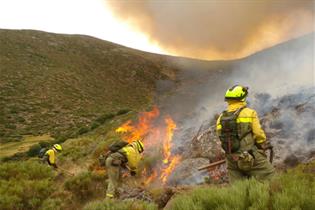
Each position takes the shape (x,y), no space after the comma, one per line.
(42,152)
(114,147)
(229,137)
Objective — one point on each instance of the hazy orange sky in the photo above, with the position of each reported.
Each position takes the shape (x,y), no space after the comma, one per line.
(216,29)
(90,17)
(213,29)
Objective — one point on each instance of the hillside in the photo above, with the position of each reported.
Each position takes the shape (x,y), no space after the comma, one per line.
(58,84)
(79,90)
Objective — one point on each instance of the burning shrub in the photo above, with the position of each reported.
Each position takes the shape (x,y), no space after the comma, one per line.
(121,205)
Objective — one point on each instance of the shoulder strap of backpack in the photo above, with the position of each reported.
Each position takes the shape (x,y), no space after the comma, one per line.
(117,145)
(238,111)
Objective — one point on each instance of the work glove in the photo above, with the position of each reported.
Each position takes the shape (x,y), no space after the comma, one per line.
(133,173)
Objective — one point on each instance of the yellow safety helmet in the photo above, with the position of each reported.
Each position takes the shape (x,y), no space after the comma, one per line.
(237,92)
(139,145)
(57,147)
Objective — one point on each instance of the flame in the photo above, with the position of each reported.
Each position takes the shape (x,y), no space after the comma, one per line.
(171,126)
(141,129)
(151,178)
(156,136)
(168,170)
(169,161)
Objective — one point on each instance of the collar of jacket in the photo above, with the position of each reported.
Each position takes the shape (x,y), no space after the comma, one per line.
(235,105)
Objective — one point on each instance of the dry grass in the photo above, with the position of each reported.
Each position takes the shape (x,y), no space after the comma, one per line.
(10,148)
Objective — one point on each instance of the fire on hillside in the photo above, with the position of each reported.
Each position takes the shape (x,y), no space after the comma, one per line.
(157,133)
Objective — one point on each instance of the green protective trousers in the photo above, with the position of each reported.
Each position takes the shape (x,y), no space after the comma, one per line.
(113,167)
(259,168)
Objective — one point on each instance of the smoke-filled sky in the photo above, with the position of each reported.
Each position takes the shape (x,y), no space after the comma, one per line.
(217,29)
(209,29)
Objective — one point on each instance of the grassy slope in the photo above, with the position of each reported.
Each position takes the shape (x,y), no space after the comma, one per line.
(10,148)
(52,84)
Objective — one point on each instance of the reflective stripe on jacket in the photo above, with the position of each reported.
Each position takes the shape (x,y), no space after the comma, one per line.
(51,156)
(133,156)
(247,120)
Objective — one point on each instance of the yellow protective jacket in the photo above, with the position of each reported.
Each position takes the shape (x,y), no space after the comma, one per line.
(133,156)
(247,120)
(51,156)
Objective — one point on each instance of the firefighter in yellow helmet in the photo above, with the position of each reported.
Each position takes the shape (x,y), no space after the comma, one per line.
(242,138)
(122,155)
(50,155)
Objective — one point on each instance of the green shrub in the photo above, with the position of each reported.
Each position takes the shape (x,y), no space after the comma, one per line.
(294,190)
(123,111)
(52,204)
(24,185)
(86,186)
(83,130)
(44,144)
(63,136)
(10,126)
(121,205)
(20,119)
(102,119)
(95,125)
(29,170)
(24,194)
(16,157)
(34,150)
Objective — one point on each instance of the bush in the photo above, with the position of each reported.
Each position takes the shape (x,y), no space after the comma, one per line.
(123,111)
(83,130)
(86,186)
(233,197)
(102,119)
(24,185)
(34,150)
(44,144)
(294,190)
(29,170)
(52,204)
(16,157)
(121,205)
(95,125)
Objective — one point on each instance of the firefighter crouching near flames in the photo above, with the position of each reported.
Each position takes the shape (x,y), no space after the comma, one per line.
(121,155)
(243,139)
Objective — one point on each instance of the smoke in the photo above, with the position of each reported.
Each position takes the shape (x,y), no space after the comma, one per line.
(217,29)
(280,79)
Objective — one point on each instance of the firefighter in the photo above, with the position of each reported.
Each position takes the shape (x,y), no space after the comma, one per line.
(243,139)
(126,157)
(50,155)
